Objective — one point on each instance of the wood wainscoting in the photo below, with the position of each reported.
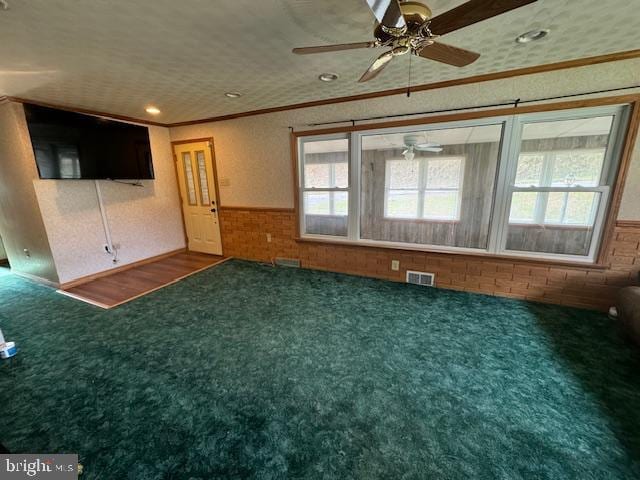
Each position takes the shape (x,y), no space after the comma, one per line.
(244,235)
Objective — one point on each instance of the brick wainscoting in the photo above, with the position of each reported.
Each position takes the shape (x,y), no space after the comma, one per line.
(244,235)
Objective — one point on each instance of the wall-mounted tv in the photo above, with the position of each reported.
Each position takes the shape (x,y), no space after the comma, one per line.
(69,145)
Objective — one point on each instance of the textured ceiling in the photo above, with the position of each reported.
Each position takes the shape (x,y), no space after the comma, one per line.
(118,56)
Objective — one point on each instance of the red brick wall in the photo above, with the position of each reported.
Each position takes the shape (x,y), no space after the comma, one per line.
(244,235)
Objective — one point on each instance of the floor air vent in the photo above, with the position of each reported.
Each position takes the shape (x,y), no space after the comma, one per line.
(421,278)
(287,262)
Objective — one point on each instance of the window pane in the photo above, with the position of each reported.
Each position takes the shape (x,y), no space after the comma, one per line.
(441,205)
(188,175)
(340,203)
(402,174)
(326,164)
(580,167)
(414,183)
(568,229)
(326,213)
(444,173)
(529,173)
(317,203)
(202,176)
(563,152)
(402,204)
(581,207)
(523,207)
(317,175)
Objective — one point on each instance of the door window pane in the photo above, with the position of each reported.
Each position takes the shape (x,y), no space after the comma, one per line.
(188,174)
(203,178)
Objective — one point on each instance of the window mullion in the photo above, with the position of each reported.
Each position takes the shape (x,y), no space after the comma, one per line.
(422,185)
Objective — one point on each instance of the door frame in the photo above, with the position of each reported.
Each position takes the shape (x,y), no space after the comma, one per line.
(215,183)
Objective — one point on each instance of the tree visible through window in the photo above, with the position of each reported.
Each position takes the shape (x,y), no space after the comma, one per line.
(424,188)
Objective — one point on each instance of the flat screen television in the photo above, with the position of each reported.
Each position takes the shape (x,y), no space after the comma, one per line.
(69,145)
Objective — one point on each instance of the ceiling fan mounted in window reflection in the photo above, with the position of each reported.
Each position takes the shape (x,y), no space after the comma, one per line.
(412,144)
(406,27)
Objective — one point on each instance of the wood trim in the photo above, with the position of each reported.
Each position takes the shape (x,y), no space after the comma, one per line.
(487,77)
(478,114)
(36,279)
(258,209)
(128,266)
(621,178)
(146,292)
(86,111)
(480,255)
(216,185)
(628,224)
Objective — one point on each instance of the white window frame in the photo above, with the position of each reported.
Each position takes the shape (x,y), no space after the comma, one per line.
(422,189)
(301,181)
(548,162)
(509,150)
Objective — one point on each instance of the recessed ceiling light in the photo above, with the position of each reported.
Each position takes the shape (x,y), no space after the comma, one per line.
(152,110)
(328,77)
(232,95)
(532,36)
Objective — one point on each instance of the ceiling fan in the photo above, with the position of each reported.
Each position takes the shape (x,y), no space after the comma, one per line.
(407,27)
(412,144)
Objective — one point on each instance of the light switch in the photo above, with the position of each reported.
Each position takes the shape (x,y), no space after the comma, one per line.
(395,265)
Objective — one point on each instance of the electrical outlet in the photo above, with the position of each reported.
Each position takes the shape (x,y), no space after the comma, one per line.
(395,265)
(27,253)
(268,238)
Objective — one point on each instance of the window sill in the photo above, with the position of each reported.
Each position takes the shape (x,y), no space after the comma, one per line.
(462,253)
(419,220)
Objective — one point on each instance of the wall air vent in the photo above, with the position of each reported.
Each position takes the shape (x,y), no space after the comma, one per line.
(287,262)
(423,279)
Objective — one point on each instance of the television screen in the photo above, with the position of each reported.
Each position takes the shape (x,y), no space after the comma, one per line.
(69,145)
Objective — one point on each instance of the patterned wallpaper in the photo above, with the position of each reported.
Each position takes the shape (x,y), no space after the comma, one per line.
(144,221)
(253,153)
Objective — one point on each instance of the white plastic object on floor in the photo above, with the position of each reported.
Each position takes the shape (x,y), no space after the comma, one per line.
(613,312)
(8,350)
(1,338)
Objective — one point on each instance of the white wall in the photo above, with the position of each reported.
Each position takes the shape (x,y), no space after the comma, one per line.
(253,153)
(145,221)
(21,225)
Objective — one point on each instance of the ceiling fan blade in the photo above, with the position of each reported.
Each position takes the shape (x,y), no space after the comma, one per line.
(333,48)
(376,67)
(441,52)
(430,149)
(472,12)
(388,13)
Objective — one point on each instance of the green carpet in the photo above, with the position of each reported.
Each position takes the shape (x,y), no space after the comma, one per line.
(248,371)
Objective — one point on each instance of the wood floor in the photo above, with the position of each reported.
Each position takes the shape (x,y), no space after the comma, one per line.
(127,285)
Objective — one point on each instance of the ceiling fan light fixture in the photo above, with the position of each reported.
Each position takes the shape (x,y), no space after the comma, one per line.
(152,110)
(327,77)
(532,36)
(233,95)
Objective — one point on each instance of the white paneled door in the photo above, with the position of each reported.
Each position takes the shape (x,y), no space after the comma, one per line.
(194,164)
